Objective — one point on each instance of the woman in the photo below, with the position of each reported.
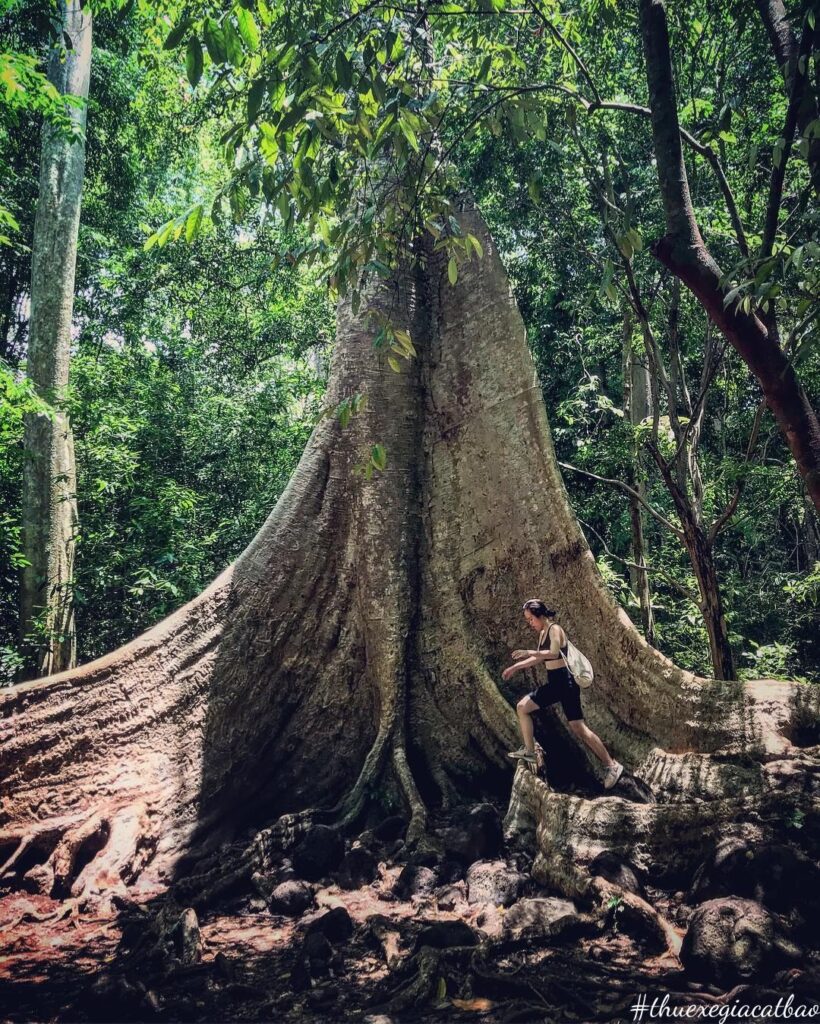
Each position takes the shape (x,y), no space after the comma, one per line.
(560,687)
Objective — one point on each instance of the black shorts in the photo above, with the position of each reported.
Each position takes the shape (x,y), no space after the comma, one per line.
(561,687)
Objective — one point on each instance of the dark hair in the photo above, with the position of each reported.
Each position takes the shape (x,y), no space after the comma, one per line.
(539,608)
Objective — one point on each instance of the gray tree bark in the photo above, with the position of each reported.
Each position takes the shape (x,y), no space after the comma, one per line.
(637,408)
(49,476)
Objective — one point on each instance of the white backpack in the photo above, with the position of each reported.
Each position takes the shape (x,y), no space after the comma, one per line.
(578,664)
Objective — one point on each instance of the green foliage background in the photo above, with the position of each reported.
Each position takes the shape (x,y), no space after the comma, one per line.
(273,139)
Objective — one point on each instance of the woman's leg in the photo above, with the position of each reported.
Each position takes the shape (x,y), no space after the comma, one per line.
(591,739)
(526,707)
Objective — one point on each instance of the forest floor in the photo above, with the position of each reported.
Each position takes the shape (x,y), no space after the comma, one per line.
(393,954)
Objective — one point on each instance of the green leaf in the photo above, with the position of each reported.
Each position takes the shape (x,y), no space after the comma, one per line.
(395,366)
(474,242)
(344,71)
(255,98)
(452,270)
(176,35)
(233,44)
(378,456)
(247,28)
(193,222)
(405,342)
(214,41)
(193,61)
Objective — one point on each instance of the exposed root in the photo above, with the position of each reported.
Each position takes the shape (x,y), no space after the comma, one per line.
(418,812)
(418,981)
(647,918)
(22,845)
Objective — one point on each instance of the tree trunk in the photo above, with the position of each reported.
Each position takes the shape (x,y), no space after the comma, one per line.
(352,653)
(637,408)
(786,50)
(703,562)
(49,475)
(684,253)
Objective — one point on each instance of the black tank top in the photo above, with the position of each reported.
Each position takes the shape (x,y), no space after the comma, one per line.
(542,638)
(559,675)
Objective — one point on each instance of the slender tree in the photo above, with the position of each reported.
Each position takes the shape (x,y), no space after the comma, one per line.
(682,249)
(49,499)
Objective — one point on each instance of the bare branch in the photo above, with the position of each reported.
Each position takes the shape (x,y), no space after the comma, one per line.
(644,568)
(631,491)
(730,509)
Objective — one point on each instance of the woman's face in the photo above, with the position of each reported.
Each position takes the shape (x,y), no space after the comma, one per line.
(532,619)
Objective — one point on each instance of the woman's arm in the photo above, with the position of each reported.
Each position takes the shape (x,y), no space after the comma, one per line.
(554,656)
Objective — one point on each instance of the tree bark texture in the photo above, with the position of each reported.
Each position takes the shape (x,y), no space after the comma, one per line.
(353,651)
(49,475)
(683,252)
(637,408)
(786,50)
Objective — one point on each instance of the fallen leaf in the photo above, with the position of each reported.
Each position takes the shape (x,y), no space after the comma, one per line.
(475,1005)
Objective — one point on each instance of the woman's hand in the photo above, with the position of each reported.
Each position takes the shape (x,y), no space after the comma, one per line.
(518,655)
(509,672)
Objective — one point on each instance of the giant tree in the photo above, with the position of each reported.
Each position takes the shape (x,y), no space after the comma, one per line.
(49,499)
(351,653)
(396,599)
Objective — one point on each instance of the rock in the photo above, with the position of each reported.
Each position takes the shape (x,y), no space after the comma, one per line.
(477,835)
(300,976)
(390,829)
(336,925)
(319,853)
(263,884)
(187,937)
(491,921)
(424,859)
(730,940)
(450,871)
(318,950)
(323,998)
(543,917)
(392,850)
(358,868)
(449,897)
(615,868)
(445,934)
(291,898)
(493,882)
(415,880)
(257,905)
(39,880)
(779,876)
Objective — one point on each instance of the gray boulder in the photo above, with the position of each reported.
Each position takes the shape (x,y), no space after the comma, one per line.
(544,917)
(358,868)
(291,898)
(731,940)
(493,882)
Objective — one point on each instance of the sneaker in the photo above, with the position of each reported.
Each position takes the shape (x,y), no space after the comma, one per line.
(612,774)
(522,754)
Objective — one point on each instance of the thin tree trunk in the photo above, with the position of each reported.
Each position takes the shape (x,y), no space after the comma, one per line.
(701,554)
(637,409)
(683,251)
(49,475)
(786,50)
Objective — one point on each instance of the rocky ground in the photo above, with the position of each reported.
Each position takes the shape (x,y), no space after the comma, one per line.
(364,929)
